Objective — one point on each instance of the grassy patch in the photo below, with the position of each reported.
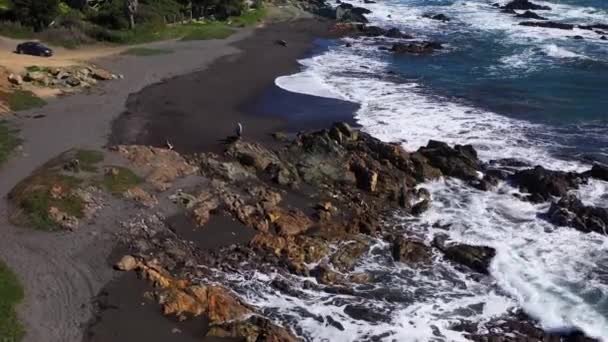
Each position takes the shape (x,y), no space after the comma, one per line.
(11,294)
(249,18)
(117,180)
(23,100)
(212,30)
(39,198)
(15,30)
(52,186)
(143,52)
(8,141)
(89,159)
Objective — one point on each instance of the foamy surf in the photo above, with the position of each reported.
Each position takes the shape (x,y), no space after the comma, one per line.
(555,274)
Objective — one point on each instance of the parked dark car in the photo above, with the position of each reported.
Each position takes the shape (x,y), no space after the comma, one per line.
(34,48)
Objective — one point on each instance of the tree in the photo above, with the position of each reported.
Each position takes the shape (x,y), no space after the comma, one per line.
(132,6)
(36,13)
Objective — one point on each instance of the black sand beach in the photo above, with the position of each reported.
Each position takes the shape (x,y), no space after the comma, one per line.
(196,112)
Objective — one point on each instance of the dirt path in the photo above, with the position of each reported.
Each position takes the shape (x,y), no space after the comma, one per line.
(61,272)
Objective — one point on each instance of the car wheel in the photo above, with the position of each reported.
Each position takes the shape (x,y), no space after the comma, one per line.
(19,51)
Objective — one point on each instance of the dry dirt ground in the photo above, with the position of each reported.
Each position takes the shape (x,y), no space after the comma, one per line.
(61,272)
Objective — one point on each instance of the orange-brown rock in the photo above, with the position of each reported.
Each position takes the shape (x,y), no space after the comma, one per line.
(141,196)
(161,166)
(216,302)
(289,223)
(254,329)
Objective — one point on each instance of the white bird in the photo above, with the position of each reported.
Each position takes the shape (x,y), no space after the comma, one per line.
(239,129)
(169,145)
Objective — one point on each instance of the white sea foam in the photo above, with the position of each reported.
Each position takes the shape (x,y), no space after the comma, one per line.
(555,273)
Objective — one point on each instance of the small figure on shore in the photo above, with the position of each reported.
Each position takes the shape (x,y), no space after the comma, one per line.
(239,130)
(282,42)
(169,145)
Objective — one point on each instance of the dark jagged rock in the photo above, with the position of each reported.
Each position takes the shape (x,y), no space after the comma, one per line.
(477,258)
(349,13)
(525,5)
(570,211)
(603,38)
(530,15)
(410,251)
(416,47)
(594,27)
(521,325)
(440,17)
(460,161)
(365,314)
(542,184)
(548,24)
(598,171)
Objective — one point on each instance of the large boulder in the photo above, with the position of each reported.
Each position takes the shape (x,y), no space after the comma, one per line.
(289,222)
(525,5)
(410,251)
(349,13)
(460,161)
(548,24)
(161,166)
(477,258)
(542,184)
(439,17)
(255,328)
(417,48)
(530,15)
(599,172)
(348,254)
(570,211)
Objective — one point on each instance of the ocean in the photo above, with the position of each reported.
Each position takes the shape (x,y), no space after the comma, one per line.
(534,94)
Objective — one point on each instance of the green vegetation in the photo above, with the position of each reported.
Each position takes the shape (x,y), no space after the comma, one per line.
(53,185)
(89,159)
(249,18)
(118,179)
(72,23)
(11,294)
(142,52)
(8,141)
(36,203)
(23,100)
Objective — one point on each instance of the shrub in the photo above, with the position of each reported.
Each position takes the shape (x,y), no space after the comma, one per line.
(36,13)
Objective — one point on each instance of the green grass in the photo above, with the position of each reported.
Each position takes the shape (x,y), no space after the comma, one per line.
(5,4)
(151,33)
(143,52)
(15,30)
(249,18)
(11,293)
(120,182)
(23,100)
(8,141)
(89,159)
(33,68)
(38,202)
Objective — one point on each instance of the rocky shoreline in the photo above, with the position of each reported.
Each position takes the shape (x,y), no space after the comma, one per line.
(311,205)
(306,206)
(334,187)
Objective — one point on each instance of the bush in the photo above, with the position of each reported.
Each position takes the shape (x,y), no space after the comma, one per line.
(111,15)
(68,37)
(36,13)
(15,30)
